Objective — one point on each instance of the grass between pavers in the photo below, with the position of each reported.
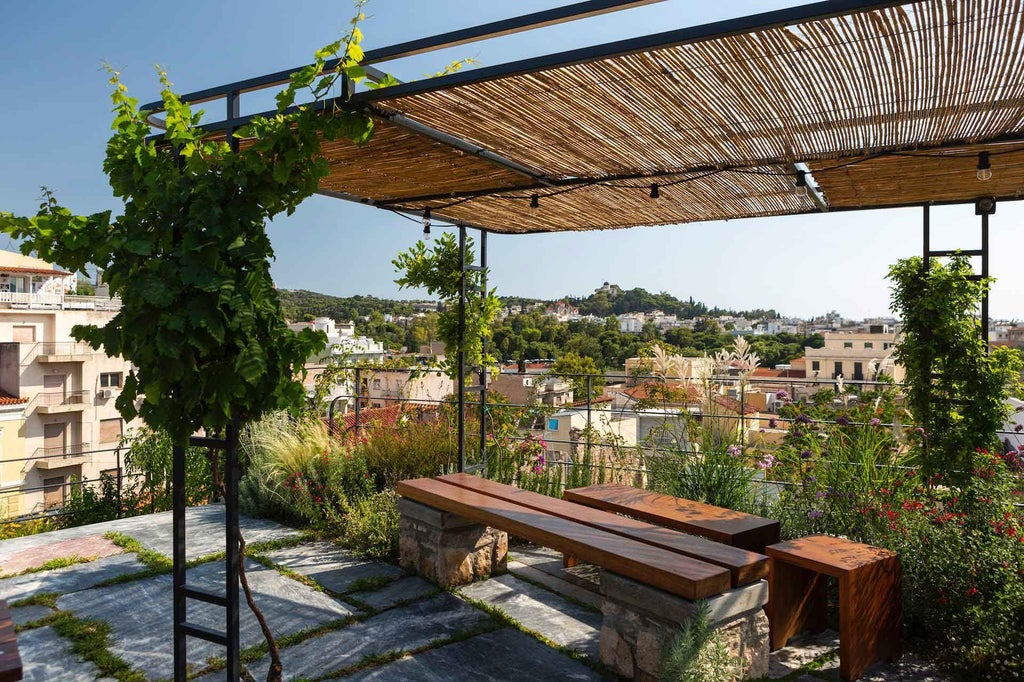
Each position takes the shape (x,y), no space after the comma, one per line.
(39,599)
(58,562)
(157,564)
(90,639)
(809,669)
(508,620)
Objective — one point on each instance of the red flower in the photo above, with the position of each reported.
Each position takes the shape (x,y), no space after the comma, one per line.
(973,591)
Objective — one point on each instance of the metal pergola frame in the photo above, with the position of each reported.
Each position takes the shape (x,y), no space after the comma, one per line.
(368,101)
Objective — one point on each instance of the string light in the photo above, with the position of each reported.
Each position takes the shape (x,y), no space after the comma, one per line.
(535,201)
(426,222)
(654,191)
(984,167)
(801,183)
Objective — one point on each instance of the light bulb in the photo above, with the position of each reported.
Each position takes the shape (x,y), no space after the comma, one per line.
(984,167)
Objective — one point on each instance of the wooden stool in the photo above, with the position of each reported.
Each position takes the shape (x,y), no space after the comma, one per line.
(870,600)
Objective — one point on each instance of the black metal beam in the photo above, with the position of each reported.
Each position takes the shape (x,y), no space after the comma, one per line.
(503,27)
(462,349)
(717,29)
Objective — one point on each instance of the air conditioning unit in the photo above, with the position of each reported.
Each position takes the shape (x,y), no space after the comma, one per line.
(108,393)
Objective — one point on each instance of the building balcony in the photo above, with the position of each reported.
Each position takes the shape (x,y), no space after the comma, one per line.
(59,351)
(55,458)
(59,402)
(37,301)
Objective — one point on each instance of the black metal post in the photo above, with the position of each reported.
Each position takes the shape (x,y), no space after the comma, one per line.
(359,399)
(984,276)
(484,374)
(590,380)
(120,483)
(232,474)
(178,559)
(927,228)
(462,349)
(330,414)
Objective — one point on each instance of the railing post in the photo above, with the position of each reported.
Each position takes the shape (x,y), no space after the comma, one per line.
(120,502)
(359,399)
(178,559)
(590,381)
(232,474)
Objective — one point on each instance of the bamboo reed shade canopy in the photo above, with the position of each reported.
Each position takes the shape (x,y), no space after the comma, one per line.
(887,104)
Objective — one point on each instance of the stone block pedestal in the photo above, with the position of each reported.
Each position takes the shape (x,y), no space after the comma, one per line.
(448,549)
(641,621)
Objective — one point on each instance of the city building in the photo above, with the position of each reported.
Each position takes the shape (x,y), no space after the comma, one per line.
(856,356)
(58,422)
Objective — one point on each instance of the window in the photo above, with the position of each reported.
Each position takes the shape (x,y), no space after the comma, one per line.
(552,424)
(112,473)
(847,344)
(885,346)
(376,383)
(815,366)
(111,379)
(110,430)
(869,344)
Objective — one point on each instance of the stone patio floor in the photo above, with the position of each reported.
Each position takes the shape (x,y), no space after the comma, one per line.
(337,616)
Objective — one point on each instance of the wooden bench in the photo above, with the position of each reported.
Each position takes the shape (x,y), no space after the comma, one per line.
(10,659)
(870,598)
(453,530)
(733,528)
(744,567)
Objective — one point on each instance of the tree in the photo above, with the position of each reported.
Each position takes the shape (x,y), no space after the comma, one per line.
(956,390)
(438,270)
(574,368)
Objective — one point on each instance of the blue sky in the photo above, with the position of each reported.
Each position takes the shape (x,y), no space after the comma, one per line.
(55,122)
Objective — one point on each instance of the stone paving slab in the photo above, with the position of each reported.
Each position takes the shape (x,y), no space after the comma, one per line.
(204,527)
(541,611)
(88,547)
(142,634)
(397,592)
(406,628)
(70,578)
(506,655)
(331,566)
(556,584)
(22,615)
(801,650)
(46,657)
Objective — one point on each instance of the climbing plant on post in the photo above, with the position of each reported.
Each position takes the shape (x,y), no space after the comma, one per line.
(189,256)
(956,389)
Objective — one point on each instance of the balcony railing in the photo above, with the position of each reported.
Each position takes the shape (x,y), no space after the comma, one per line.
(57,351)
(50,402)
(19,299)
(61,456)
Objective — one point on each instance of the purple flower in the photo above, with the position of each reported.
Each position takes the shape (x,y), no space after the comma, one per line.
(803,419)
(812,479)
(815,514)
(782,395)
(734,450)
(821,494)
(772,424)
(767,462)
(875,421)
(843,420)
(920,430)
(806,454)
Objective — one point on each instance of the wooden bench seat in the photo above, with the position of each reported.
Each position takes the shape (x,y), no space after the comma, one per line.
(746,531)
(667,570)
(10,659)
(744,567)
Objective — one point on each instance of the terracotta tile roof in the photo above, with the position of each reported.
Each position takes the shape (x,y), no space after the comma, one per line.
(34,271)
(8,399)
(733,405)
(373,416)
(672,392)
(764,372)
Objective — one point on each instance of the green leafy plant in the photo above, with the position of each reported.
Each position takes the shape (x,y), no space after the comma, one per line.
(697,653)
(371,526)
(956,389)
(437,269)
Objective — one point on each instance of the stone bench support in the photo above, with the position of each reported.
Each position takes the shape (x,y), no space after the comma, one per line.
(641,621)
(448,549)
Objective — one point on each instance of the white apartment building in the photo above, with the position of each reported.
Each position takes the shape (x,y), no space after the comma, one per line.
(57,416)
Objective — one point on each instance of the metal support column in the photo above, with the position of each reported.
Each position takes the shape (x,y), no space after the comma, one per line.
(462,349)
(984,276)
(484,373)
(232,475)
(178,558)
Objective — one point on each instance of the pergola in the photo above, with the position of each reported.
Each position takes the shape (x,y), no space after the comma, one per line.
(832,106)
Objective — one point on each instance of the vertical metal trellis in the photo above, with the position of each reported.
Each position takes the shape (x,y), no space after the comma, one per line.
(183,629)
(481,388)
(182,592)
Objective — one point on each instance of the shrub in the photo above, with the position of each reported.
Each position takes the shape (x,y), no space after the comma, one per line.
(371,527)
(411,448)
(697,653)
(298,473)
